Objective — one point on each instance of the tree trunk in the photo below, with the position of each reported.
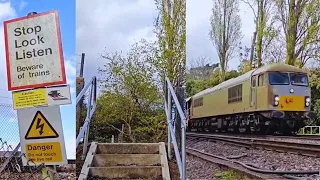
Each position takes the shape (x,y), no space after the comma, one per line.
(223,68)
(132,139)
(291,34)
(224,50)
(260,28)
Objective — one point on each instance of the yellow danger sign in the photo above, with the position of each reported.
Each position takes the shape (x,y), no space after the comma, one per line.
(29,98)
(40,128)
(44,152)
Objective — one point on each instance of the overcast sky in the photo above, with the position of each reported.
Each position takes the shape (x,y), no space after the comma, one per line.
(112,26)
(115,25)
(198,27)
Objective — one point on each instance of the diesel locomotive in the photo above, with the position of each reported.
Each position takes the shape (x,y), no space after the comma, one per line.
(273,98)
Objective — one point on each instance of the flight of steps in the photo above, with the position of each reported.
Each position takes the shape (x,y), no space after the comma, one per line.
(126,161)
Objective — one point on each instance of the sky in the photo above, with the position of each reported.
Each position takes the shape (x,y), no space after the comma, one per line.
(198,27)
(109,26)
(10,9)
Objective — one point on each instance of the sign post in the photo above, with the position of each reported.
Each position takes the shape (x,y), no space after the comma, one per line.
(36,72)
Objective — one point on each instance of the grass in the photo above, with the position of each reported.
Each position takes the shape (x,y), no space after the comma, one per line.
(227,175)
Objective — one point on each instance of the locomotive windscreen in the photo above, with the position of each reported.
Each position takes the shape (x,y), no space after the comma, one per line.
(278,78)
(299,79)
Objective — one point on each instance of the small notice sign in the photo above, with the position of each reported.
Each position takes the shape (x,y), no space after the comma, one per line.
(40,128)
(42,97)
(49,152)
(41,136)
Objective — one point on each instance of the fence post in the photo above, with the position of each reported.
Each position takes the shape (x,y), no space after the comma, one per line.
(112,139)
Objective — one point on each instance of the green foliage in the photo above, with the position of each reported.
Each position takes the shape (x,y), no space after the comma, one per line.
(300,22)
(244,66)
(314,76)
(226,175)
(130,97)
(170,28)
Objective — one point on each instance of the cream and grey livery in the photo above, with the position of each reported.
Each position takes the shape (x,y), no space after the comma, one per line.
(275,97)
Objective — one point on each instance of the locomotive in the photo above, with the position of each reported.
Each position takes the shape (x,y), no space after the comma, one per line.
(275,98)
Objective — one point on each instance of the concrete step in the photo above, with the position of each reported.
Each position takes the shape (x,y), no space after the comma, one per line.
(126,161)
(103,160)
(128,148)
(127,172)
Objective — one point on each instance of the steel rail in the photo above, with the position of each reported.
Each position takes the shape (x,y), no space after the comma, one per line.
(230,163)
(205,155)
(299,148)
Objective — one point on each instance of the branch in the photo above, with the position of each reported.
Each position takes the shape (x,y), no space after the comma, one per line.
(117,129)
(254,12)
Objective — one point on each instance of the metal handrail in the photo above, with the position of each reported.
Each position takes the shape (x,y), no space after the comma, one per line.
(84,129)
(85,88)
(311,130)
(181,160)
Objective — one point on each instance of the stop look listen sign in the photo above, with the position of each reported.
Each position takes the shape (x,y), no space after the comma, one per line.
(34,53)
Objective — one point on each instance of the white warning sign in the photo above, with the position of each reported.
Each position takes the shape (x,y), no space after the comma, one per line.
(34,54)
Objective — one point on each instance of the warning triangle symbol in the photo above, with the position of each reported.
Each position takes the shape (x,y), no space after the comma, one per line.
(40,128)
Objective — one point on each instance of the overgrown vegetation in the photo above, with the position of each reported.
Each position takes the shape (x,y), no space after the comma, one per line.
(227,175)
(130,106)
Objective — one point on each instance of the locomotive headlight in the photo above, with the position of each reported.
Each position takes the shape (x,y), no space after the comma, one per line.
(307,101)
(276,100)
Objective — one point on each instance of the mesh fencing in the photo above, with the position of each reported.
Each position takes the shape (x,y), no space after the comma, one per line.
(9,129)
(11,166)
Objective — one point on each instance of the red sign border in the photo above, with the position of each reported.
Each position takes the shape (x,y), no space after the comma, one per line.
(64,79)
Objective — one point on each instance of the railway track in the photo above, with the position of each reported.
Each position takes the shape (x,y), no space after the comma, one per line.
(248,169)
(306,149)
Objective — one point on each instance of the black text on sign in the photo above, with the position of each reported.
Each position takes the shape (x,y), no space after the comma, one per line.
(30,36)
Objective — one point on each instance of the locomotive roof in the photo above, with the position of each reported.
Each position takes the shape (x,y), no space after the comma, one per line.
(278,67)
(247,75)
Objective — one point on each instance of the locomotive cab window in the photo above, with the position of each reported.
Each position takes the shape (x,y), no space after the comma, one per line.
(278,78)
(253,81)
(298,79)
(235,94)
(261,80)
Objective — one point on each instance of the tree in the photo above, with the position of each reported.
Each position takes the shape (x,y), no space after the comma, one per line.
(314,75)
(170,27)
(300,23)
(130,95)
(265,32)
(225,31)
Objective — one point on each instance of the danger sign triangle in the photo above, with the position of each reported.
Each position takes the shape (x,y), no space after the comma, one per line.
(40,128)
